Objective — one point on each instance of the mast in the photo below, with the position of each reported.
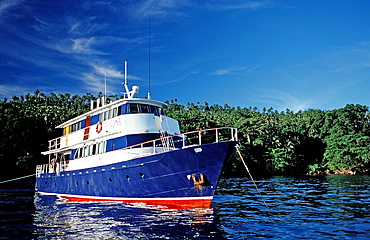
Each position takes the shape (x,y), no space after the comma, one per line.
(135,89)
(125,83)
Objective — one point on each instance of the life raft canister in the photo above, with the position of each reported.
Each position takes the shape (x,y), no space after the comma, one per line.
(99,127)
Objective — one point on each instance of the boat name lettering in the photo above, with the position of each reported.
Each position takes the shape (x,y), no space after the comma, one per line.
(111,123)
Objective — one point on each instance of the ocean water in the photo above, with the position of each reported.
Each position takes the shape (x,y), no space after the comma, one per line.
(331,207)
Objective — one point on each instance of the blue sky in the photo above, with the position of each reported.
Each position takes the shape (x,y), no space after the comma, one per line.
(284,54)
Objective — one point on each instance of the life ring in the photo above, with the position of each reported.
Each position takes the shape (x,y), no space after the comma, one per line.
(99,127)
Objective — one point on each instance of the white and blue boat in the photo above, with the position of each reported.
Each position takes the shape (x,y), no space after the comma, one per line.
(127,150)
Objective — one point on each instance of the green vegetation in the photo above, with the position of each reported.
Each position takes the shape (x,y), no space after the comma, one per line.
(27,123)
(288,143)
(272,142)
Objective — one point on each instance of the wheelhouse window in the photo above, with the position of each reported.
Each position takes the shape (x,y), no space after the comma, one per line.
(134,108)
(145,108)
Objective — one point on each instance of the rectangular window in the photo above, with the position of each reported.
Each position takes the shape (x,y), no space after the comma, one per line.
(144,108)
(101,147)
(154,109)
(134,108)
(86,152)
(110,114)
(94,149)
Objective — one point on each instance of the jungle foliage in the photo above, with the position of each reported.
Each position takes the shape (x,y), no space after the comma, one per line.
(288,143)
(272,142)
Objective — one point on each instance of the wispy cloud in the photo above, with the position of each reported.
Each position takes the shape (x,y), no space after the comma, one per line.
(12,90)
(87,26)
(6,5)
(107,71)
(233,71)
(331,74)
(84,45)
(157,8)
(171,9)
(94,80)
(282,100)
(236,5)
(179,79)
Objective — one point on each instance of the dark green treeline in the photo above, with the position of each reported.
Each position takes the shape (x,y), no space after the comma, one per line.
(272,142)
(288,143)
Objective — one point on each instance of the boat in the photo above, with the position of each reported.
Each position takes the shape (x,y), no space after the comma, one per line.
(128,150)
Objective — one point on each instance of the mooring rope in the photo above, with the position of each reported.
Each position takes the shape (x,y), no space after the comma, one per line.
(10,180)
(250,175)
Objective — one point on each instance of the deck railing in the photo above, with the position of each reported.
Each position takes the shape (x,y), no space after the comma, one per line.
(188,139)
(163,144)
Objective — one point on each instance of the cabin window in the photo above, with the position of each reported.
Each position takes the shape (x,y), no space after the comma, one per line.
(72,128)
(94,149)
(154,109)
(86,152)
(108,114)
(101,147)
(91,150)
(78,153)
(134,108)
(144,108)
(76,126)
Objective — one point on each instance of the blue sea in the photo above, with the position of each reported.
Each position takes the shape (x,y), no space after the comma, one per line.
(330,207)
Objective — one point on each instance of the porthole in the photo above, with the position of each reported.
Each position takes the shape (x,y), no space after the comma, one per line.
(141,174)
(127,177)
(87,182)
(76,183)
(110,180)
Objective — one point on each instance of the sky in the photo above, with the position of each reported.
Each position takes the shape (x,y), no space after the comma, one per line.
(280,54)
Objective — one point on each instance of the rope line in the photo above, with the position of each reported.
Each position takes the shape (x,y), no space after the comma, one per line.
(10,180)
(250,175)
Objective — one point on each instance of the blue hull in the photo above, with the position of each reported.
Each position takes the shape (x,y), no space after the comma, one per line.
(171,175)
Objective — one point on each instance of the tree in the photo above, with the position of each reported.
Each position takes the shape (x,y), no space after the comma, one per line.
(347,153)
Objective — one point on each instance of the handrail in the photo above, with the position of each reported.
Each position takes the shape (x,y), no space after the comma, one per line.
(234,136)
(159,145)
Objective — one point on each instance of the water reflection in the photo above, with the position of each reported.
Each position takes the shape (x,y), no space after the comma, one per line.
(56,218)
(300,207)
(332,207)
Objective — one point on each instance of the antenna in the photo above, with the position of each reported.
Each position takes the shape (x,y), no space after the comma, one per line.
(149,60)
